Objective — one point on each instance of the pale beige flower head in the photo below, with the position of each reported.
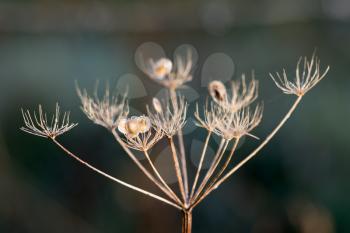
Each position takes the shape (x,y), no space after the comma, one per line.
(212,116)
(38,124)
(105,111)
(134,125)
(307,75)
(170,74)
(160,69)
(139,132)
(240,123)
(241,94)
(170,118)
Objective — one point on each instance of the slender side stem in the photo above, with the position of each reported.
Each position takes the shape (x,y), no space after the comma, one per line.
(142,168)
(177,168)
(161,178)
(212,183)
(218,156)
(183,162)
(187,221)
(182,147)
(115,179)
(252,154)
(200,164)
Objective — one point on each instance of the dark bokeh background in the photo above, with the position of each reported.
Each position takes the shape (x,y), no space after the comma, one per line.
(298,183)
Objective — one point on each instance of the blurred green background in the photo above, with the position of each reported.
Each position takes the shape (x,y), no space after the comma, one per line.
(298,183)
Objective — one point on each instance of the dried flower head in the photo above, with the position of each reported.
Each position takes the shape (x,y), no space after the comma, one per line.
(133,126)
(106,111)
(139,132)
(307,76)
(172,118)
(241,94)
(160,69)
(39,125)
(213,114)
(168,75)
(239,123)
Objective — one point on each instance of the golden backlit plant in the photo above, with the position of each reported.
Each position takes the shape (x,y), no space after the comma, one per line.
(227,114)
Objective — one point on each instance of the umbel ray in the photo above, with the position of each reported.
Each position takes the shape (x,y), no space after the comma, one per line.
(231,113)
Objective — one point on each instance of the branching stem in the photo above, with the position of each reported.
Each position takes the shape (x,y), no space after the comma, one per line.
(161,178)
(200,164)
(115,179)
(182,147)
(142,168)
(177,168)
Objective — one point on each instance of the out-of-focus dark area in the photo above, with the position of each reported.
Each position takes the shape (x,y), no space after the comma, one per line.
(298,183)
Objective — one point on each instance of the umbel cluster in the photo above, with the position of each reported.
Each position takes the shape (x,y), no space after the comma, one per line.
(230,113)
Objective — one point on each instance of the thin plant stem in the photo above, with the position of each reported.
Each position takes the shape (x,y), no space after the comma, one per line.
(187,221)
(182,147)
(219,153)
(212,183)
(200,163)
(161,178)
(115,179)
(177,168)
(252,154)
(142,168)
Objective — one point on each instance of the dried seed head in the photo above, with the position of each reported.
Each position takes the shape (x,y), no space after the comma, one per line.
(168,75)
(239,123)
(173,118)
(218,91)
(132,127)
(157,105)
(40,126)
(161,68)
(106,111)
(138,132)
(213,114)
(241,95)
(307,76)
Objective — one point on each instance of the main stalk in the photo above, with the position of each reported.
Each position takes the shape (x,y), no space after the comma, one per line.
(187,221)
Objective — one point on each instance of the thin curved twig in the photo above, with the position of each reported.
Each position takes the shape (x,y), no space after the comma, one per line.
(142,168)
(177,168)
(220,152)
(155,170)
(115,179)
(200,164)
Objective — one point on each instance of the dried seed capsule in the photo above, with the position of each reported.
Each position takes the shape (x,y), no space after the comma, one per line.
(217,91)
(144,124)
(157,105)
(132,127)
(122,125)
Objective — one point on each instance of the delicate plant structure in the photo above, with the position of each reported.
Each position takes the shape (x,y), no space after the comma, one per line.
(228,114)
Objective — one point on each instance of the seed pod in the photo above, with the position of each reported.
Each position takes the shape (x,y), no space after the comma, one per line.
(217,91)
(122,125)
(132,127)
(144,124)
(157,105)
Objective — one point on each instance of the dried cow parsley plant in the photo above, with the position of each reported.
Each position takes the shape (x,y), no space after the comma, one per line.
(230,113)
